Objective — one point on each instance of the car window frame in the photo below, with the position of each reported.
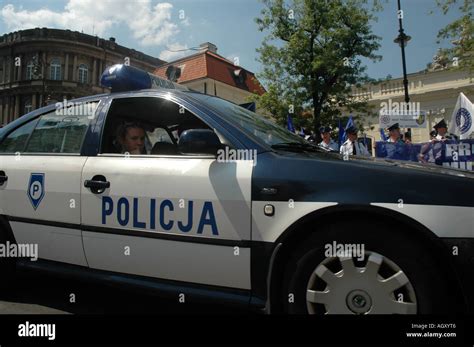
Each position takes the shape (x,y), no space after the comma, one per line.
(48,109)
(245,140)
(34,120)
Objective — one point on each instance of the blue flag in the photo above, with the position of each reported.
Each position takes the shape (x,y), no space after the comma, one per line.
(289,124)
(382,135)
(350,123)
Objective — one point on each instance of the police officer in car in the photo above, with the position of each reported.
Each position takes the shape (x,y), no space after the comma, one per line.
(130,138)
(352,146)
(327,142)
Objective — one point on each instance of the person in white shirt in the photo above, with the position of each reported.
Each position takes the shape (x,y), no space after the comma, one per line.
(327,142)
(352,146)
(442,132)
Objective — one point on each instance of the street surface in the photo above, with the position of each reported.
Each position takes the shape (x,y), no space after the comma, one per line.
(41,294)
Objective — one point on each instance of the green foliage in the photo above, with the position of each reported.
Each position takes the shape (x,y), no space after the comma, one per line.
(460,32)
(312,54)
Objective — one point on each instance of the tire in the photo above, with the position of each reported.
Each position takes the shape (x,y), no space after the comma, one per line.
(365,287)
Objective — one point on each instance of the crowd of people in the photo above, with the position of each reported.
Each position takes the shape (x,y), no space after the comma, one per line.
(352,146)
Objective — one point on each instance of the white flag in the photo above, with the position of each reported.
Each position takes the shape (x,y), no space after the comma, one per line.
(462,123)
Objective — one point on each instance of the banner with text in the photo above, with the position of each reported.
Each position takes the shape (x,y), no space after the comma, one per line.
(404,120)
(454,154)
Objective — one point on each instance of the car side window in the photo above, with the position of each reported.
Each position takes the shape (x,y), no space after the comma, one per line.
(16,140)
(60,131)
(162,122)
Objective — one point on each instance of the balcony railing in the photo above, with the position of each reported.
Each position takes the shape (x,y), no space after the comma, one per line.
(416,83)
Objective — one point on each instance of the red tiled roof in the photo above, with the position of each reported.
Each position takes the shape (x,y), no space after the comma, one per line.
(213,66)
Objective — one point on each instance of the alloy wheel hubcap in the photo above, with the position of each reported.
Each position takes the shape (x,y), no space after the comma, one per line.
(346,285)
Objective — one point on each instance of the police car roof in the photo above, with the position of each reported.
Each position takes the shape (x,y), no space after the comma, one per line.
(182,94)
(121,77)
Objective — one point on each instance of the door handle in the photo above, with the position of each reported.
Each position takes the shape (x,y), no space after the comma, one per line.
(98,184)
(3,178)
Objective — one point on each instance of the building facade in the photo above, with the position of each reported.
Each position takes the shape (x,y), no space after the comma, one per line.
(433,91)
(41,66)
(210,73)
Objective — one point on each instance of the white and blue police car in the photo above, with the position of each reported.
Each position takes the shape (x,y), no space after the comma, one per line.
(219,203)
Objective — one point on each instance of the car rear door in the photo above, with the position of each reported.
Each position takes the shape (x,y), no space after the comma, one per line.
(41,196)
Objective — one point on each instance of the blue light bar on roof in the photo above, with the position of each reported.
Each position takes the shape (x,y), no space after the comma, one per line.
(122,78)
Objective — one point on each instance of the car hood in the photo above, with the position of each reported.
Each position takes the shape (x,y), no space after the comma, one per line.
(323,177)
(378,162)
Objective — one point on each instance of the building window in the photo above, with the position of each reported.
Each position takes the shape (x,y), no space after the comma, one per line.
(173,73)
(83,73)
(55,69)
(28,106)
(29,70)
(239,76)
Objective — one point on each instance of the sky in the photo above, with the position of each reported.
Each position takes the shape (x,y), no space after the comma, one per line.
(170,29)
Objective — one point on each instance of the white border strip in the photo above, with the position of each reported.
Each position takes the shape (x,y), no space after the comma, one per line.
(444,221)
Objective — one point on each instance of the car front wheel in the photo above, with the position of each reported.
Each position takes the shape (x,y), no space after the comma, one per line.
(392,273)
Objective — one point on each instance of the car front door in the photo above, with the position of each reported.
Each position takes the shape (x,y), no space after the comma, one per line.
(41,196)
(175,217)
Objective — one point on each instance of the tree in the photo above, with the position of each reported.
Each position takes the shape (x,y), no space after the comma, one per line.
(460,32)
(312,54)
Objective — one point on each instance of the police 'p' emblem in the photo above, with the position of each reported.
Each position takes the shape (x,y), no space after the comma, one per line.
(36,189)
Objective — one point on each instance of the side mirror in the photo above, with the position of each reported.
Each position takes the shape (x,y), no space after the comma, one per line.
(199,141)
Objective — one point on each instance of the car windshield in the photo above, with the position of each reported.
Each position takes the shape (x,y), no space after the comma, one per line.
(252,123)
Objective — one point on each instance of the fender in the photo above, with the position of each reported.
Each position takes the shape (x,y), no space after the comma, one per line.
(296,233)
